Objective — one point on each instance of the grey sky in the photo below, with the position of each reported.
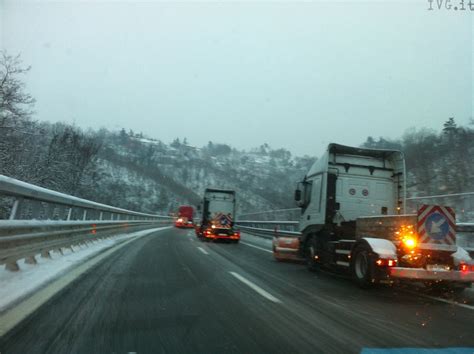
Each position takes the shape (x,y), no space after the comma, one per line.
(292,74)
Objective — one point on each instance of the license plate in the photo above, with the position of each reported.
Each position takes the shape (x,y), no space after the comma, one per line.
(223,235)
(437,267)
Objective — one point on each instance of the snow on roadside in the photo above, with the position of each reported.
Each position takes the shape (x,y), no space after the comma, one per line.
(15,286)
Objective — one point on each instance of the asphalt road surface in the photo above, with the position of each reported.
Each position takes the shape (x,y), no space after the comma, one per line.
(170,293)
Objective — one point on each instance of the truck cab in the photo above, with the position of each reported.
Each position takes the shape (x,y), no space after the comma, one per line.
(347,183)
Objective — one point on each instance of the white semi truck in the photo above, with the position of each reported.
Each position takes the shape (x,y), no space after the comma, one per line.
(218,214)
(353,218)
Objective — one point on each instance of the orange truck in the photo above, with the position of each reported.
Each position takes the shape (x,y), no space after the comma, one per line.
(353,219)
(185,217)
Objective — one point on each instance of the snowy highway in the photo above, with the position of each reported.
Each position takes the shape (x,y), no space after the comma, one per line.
(170,293)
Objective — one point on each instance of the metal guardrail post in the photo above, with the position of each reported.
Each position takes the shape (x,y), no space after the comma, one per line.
(31,260)
(12,266)
(16,203)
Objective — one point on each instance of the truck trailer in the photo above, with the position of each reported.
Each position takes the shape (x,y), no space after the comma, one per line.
(353,219)
(218,213)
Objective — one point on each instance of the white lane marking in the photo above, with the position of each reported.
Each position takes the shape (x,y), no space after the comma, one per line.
(192,239)
(259,248)
(451,302)
(258,289)
(203,250)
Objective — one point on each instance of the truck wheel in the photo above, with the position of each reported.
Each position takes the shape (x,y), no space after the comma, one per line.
(310,254)
(362,267)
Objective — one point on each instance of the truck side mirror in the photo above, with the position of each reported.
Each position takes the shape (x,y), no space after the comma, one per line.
(297,195)
(337,206)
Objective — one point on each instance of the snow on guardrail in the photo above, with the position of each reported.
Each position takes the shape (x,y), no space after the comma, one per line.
(34,202)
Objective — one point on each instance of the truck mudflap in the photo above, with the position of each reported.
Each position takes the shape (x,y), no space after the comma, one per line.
(286,248)
(424,274)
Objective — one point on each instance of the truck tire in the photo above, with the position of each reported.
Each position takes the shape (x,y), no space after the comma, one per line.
(310,252)
(363,267)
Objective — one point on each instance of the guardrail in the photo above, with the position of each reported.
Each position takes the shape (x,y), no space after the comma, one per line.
(268,229)
(266,213)
(465,236)
(41,220)
(33,202)
(442,196)
(463,203)
(27,240)
(465,226)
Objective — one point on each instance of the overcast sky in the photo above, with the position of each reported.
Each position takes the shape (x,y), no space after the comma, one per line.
(296,75)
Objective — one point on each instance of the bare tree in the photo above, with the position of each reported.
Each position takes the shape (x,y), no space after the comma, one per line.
(15,104)
(16,108)
(70,156)
(55,156)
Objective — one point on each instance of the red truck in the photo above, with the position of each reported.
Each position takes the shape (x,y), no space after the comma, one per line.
(185,216)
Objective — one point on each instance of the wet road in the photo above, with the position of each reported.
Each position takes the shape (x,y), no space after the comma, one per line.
(170,293)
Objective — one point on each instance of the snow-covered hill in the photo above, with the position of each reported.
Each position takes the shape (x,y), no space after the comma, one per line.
(144,174)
